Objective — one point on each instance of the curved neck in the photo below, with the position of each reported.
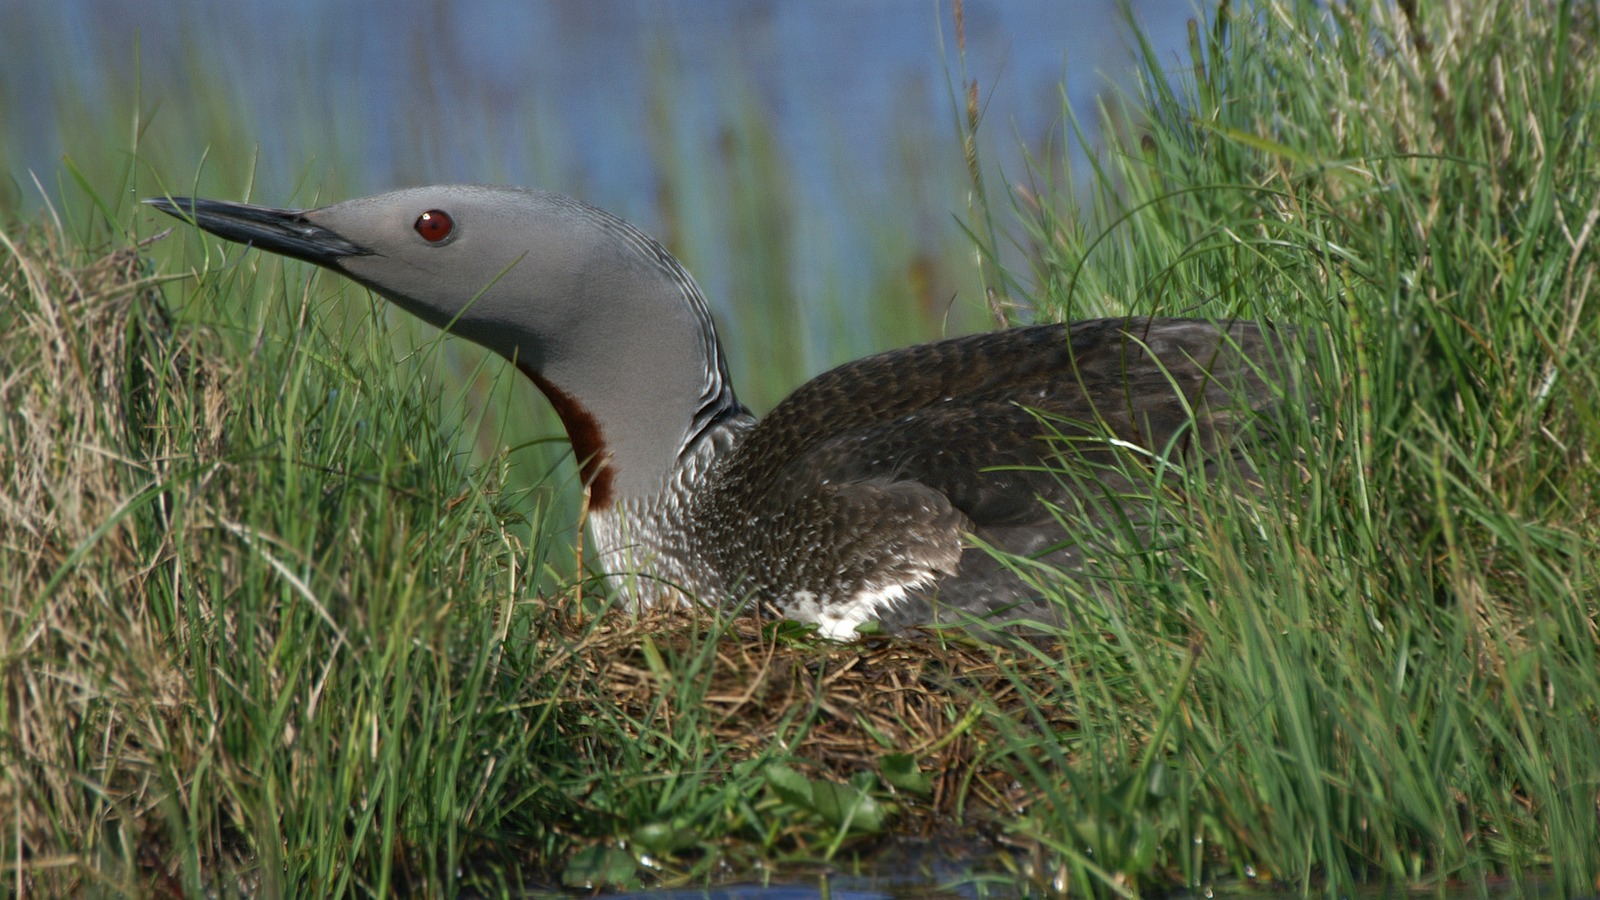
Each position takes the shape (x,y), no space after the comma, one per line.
(638,378)
(631,444)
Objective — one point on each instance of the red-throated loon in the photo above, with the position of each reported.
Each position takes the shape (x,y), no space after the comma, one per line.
(867,494)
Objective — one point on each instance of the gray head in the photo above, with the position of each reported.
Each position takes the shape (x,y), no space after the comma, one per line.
(605,321)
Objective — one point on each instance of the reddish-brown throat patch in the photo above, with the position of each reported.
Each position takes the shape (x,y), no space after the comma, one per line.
(588,442)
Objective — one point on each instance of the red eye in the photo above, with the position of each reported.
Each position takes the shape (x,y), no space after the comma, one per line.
(434,225)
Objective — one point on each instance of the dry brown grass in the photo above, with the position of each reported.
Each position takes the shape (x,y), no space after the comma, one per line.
(840,708)
(87,676)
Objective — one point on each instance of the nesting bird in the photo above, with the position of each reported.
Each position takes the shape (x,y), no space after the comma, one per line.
(869,494)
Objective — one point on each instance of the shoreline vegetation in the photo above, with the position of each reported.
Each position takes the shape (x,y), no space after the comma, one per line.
(271,630)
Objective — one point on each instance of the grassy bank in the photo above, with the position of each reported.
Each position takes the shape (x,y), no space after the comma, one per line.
(1389,670)
(273,631)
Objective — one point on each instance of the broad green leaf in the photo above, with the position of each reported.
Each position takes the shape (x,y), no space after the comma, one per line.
(900,771)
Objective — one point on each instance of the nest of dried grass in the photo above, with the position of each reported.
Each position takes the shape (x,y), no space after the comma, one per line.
(956,704)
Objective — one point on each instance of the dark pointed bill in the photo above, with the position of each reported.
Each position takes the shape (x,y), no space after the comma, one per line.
(284,231)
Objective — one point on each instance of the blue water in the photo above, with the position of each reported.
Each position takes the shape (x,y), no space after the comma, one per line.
(569,83)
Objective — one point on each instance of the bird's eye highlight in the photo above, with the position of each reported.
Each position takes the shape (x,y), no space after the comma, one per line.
(434,225)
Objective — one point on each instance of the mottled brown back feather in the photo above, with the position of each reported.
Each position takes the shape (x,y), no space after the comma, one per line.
(907,453)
